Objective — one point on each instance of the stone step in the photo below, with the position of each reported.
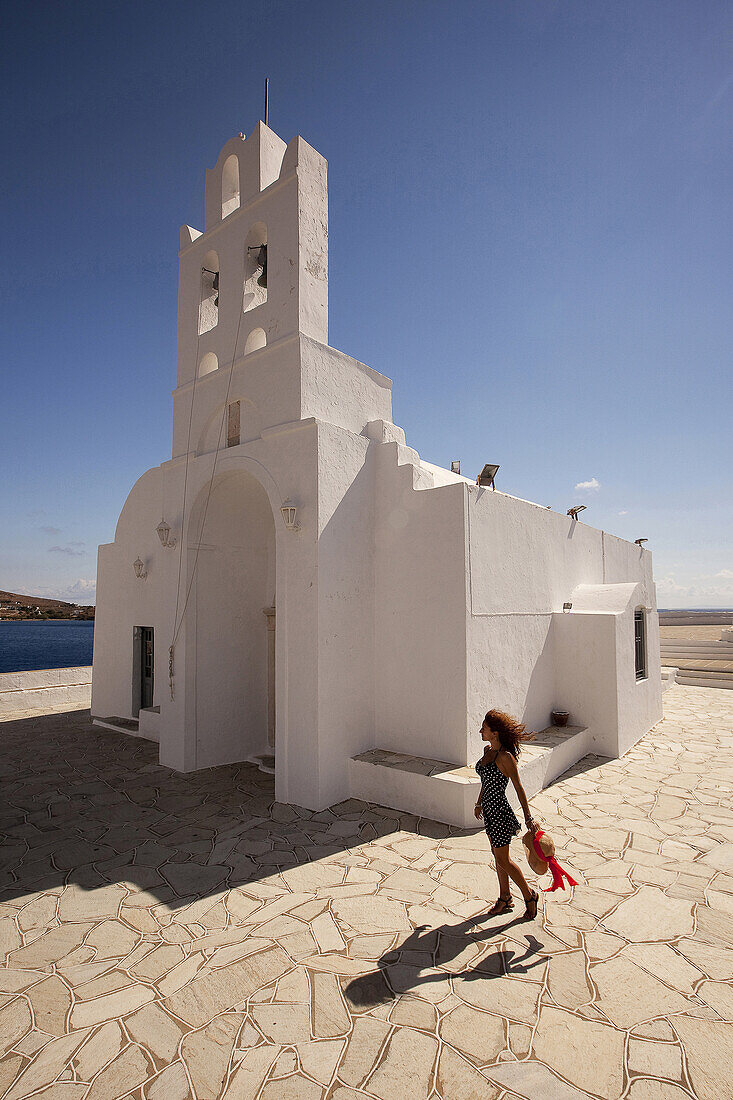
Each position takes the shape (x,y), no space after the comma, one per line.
(120,725)
(448,792)
(264,761)
(704,678)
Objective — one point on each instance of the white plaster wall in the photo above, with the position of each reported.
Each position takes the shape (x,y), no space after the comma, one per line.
(341,390)
(45,688)
(420,626)
(345,605)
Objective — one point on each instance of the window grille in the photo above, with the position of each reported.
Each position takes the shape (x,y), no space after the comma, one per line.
(640,643)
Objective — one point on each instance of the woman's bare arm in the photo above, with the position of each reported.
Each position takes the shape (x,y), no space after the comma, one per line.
(508,765)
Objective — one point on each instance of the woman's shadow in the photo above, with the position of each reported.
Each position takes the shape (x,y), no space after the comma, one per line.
(416,960)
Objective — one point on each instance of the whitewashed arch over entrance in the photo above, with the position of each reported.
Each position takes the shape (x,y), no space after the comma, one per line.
(231,573)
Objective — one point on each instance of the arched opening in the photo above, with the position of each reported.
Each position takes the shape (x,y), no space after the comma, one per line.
(208,364)
(231,691)
(230,186)
(257,339)
(255,267)
(209,300)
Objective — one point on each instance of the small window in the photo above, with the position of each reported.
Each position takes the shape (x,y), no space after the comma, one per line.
(208,364)
(233,415)
(230,186)
(640,643)
(257,339)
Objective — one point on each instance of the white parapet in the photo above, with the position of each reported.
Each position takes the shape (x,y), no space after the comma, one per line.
(45,689)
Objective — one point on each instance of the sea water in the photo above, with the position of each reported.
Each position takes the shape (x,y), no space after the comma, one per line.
(45,643)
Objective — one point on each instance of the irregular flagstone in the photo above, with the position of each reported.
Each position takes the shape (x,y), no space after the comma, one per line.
(104,1045)
(663,962)
(15,1021)
(294,987)
(283,1023)
(628,996)
(655,1059)
(329,1017)
(193,878)
(407,1064)
(509,997)
(719,995)
(475,1034)
(414,1011)
(50,947)
(319,1058)
(171,1084)
(112,939)
(46,1066)
(125,1073)
(708,1046)
(568,982)
(714,962)
(206,1054)
(156,1031)
(365,1044)
(210,994)
(62,1090)
(246,1080)
(9,937)
(650,915)
(587,1054)
(296,1087)
(51,1001)
(111,1007)
(646,1089)
(372,914)
(532,1080)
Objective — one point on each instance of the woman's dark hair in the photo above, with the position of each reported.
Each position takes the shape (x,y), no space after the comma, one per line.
(511,733)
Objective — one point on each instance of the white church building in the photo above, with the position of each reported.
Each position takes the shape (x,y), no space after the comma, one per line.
(297,587)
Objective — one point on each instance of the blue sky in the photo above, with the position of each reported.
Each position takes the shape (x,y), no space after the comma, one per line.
(530,229)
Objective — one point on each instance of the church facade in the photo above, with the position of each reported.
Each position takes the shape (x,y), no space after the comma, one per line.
(296,587)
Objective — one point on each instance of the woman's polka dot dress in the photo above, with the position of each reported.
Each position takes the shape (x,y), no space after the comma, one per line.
(500,821)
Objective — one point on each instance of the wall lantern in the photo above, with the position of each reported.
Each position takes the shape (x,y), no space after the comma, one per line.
(567,606)
(487,475)
(640,542)
(164,534)
(455,466)
(578,508)
(289,513)
(140,570)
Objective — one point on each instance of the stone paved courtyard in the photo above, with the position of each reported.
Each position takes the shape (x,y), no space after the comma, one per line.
(167,936)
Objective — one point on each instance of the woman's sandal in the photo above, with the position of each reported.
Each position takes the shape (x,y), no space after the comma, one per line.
(501,905)
(530,911)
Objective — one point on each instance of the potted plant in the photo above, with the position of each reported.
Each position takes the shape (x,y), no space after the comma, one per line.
(560,717)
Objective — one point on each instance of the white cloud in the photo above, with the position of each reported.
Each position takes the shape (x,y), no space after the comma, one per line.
(591,486)
(68,550)
(623,512)
(81,591)
(50,530)
(726,574)
(698,594)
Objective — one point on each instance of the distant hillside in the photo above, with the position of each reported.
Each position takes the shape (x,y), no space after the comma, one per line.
(14,605)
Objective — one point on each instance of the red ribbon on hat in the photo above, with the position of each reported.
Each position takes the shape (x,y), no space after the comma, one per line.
(558,872)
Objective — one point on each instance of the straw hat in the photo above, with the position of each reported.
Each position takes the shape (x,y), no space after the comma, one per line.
(547,847)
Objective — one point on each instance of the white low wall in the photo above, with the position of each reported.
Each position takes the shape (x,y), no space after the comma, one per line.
(45,688)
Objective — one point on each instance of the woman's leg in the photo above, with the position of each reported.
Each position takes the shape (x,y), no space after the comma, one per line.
(507,869)
(501,874)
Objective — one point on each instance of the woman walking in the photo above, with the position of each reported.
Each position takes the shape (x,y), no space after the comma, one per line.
(503,736)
